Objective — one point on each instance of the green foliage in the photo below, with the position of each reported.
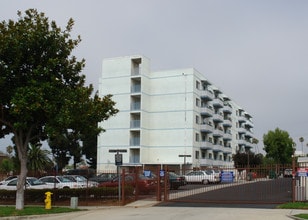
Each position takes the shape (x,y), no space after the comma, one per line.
(38,159)
(43,93)
(243,159)
(7,165)
(279,146)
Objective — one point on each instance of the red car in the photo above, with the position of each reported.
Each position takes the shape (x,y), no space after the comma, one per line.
(145,184)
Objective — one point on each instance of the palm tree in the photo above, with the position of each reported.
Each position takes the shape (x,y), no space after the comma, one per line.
(301,139)
(38,159)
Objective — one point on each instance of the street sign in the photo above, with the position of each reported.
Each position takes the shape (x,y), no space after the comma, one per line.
(118,159)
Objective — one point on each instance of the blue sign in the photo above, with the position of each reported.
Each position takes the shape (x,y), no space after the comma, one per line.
(162,173)
(147,173)
(227,177)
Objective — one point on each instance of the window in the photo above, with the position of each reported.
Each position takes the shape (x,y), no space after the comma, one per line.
(197,119)
(197,102)
(196,154)
(197,137)
(197,84)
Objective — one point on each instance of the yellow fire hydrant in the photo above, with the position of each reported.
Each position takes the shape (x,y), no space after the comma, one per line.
(48,200)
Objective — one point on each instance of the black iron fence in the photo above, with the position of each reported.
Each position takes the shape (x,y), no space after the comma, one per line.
(251,184)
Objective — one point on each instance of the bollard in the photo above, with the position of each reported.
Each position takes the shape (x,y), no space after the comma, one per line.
(48,200)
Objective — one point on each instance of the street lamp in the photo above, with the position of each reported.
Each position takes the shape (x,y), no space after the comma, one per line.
(301,139)
(293,172)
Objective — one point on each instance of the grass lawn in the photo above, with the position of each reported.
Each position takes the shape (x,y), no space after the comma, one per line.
(296,205)
(33,210)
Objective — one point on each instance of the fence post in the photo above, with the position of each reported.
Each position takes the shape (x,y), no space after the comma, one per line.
(122,177)
(293,178)
(158,194)
(166,181)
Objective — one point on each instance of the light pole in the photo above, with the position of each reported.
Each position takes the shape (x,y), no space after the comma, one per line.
(293,173)
(301,139)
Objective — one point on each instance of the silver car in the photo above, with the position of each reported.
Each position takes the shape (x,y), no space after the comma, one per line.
(199,176)
(59,182)
(31,183)
(81,181)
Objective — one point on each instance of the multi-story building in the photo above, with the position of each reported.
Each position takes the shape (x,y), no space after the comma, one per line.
(171,117)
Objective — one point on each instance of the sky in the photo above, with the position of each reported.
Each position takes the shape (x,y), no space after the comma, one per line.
(255,52)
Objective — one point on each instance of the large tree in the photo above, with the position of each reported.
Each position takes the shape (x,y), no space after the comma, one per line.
(40,81)
(278,146)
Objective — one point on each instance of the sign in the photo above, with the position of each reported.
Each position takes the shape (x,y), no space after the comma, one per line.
(118,159)
(162,173)
(227,177)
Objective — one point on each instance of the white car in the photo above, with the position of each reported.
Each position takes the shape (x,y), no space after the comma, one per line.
(7,179)
(81,181)
(31,183)
(216,175)
(59,182)
(199,176)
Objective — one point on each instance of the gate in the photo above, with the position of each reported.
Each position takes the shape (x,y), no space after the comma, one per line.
(246,185)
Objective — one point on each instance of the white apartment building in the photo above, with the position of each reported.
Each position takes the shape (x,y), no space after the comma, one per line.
(171,117)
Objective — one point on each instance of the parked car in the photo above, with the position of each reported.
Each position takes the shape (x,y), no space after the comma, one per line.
(103,177)
(176,180)
(31,183)
(81,181)
(145,184)
(200,176)
(82,172)
(216,175)
(7,179)
(287,173)
(59,182)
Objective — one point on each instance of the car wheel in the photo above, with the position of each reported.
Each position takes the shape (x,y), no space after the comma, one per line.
(205,182)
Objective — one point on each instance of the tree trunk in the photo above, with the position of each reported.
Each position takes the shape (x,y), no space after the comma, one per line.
(20,185)
(23,159)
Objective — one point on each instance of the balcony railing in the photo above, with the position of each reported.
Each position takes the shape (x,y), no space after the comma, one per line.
(206,110)
(207,128)
(207,94)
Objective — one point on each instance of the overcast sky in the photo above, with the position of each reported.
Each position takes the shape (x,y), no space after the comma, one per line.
(256,52)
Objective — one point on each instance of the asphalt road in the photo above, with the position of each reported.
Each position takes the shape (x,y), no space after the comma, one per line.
(253,194)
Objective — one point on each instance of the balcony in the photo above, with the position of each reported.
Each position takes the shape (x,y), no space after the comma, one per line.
(218,133)
(218,117)
(227,122)
(242,118)
(227,136)
(242,130)
(206,145)
(207,128)
(207,94)
(227,108)
(217,102)
(206,110)
(241,142)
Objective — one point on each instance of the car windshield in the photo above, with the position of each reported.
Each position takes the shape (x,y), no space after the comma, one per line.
(63,179)
(34,182)
(81,178)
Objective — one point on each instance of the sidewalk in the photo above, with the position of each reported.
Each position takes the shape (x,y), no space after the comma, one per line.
(146,209)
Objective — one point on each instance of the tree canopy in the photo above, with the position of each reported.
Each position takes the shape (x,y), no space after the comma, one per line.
(42,91)
(278,145)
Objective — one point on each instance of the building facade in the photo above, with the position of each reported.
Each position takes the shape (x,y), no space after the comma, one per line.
(171,117)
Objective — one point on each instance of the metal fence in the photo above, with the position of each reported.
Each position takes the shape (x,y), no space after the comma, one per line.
(260,184)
